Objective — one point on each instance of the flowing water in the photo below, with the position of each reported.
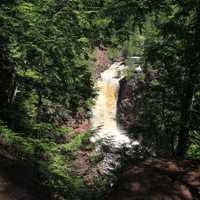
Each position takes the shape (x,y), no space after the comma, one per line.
(104,112)
(104,116)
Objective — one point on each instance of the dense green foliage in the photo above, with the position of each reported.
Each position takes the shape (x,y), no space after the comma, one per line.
(169,110)
(45,46)
(46,82)
(45,86)
(53,161)
(174,52)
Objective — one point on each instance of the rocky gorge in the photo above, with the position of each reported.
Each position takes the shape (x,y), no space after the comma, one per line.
(132,104)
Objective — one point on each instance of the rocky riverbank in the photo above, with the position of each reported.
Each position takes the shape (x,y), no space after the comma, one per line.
(159,179)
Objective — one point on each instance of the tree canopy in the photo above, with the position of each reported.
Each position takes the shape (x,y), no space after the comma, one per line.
(46,84)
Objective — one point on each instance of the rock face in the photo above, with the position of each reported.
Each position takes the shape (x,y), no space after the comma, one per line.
(156,179)
(102,62)
(134,112)
(130,94)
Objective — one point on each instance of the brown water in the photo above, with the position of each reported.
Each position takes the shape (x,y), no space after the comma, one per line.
(104,111)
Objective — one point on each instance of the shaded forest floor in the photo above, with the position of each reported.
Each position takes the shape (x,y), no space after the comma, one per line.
(159,179)
(12,191)
(153,179)
(16,182)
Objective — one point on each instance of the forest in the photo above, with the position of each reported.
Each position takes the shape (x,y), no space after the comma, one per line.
(49,69)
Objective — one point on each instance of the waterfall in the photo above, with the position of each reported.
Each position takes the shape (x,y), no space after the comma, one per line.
(104,111)
(104,114)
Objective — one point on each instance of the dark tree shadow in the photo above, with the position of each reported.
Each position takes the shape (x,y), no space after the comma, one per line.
(159,179)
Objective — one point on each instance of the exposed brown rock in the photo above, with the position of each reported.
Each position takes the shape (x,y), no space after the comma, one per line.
(102,61)
(159,179)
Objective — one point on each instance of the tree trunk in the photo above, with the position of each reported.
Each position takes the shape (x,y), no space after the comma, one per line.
(186,105)
(193,56)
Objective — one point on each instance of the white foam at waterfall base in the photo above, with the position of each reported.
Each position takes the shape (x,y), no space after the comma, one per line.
(104,113)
